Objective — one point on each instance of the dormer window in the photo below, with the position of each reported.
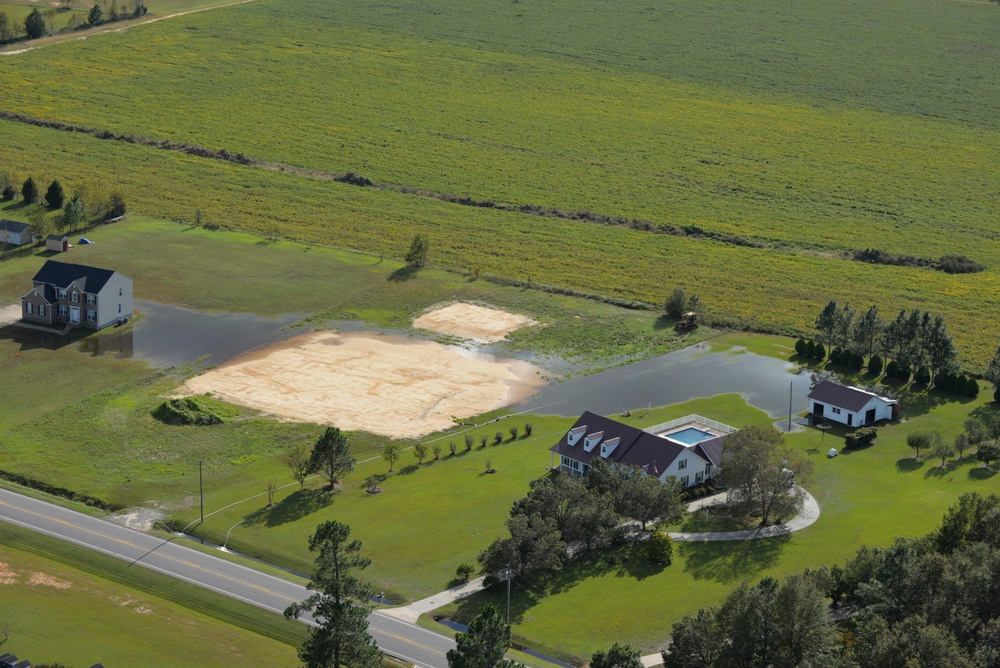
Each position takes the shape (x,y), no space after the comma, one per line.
(574,434)
(592,440)
(608,446)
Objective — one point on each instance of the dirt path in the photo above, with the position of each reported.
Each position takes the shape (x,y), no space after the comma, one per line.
(115,27)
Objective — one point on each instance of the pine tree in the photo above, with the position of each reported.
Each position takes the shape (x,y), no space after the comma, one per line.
(484,644)
(29,191)
(54,196)
(331,456)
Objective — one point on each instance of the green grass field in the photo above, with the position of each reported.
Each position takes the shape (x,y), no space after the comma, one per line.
(521,104)
(68,605)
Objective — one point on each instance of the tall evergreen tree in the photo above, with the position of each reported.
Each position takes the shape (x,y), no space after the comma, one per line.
(34,24)
(867,331)
(340,605)
(845,325)
(29,191)
(826,322)
(331,456)
(54,196)
(941,353)
(484,644)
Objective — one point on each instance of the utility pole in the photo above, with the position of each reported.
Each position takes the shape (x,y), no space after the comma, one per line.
(201,491)
(789,407)
(508,594)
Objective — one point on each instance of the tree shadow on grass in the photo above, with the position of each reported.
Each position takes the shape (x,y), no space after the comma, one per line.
(730,560)
(407,470)
(908,464)
(917,401)
(403,274)
(937,471)
(296,506)
(980,473)
(664,322)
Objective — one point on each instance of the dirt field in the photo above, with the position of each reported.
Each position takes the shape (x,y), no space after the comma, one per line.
(10,313)
(472,322)
(386,385)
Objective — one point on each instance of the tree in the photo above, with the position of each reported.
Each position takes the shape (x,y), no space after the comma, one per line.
(34,24)
(8,193)
(464,572)
(420,452)
(619,656)
(993,372)
(340,606)
(644,498)
(943,451)
(875,365)
(116,207)
(331,456)
(660,549)
(758,469)
(416,257)
(96,15)
(696,642)
(484,644)
(940,351)
(6,30)
(534,549)
(961,445)
(676,303)
(918,440)
(38,216)
(987,453)
(55,196)
(867,331)
(390,453)
(975,430)
(296,458)
(827,321)
(271,488)
(72,215)
(29,191)
(845,325)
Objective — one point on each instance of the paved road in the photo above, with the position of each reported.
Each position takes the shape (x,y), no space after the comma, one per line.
(398,638)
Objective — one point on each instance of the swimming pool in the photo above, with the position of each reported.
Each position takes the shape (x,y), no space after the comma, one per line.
(690,436)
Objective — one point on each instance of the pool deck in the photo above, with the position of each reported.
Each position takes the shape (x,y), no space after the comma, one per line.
(694,424)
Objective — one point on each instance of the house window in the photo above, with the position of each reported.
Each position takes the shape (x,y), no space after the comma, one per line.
(685,481)
(119,292)
(74,297)
(682,464)
(697,478)
(63,310)
(835,410)
(119,308)
(91,315)
(91,299)
(28,307)
(41,310)
(62,293)
(708,470)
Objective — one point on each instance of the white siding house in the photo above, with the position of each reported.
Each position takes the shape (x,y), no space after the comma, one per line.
(850,406)
(15,233)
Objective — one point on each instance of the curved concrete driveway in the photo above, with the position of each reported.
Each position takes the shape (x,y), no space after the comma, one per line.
(809,514)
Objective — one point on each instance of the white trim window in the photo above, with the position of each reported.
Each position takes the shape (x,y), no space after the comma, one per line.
(91,299)
(63,310)
(682,464)
(119,308)
(685,481)
(698,478)
(91,315)
(835,410)
(41,310)
(29,308)
(62,293)
(708,470)
(74,296)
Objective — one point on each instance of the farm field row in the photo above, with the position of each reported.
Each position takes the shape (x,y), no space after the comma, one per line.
(76,607)
(460,118)
(751,288)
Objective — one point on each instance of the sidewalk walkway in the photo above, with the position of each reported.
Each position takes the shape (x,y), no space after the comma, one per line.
(410,613)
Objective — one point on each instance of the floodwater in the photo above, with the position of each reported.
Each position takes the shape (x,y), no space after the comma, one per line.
(170,335)
(679,376)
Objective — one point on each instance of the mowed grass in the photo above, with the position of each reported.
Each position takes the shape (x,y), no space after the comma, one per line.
(751,288)
(65,604)
(461,116)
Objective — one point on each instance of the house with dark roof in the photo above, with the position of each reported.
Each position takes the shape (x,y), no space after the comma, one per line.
(15,233)
(78,296)
(850,405)
(689,448)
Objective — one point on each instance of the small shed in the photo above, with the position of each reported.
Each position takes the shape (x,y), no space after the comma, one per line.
(58,243)
(15,233)
(850,405)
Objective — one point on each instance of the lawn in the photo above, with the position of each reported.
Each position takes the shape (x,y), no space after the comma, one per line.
(68,605)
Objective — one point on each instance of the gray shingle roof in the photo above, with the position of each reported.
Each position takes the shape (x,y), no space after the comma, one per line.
(61,274)
(13,225)
(842,396)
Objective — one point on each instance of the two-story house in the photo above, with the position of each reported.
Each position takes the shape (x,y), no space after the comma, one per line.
(79,295)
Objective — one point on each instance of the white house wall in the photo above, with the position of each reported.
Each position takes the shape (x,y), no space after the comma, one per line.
(695,465)
(109,298)
(883,411)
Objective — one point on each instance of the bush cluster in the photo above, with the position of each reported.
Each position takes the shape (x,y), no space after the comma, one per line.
(860,438)
(847,358)
(185,411)
(813,349)
(959,384)
(55,490)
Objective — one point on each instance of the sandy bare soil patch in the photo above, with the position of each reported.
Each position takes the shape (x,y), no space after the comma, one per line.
(10,313)
(386,385)
(472,322)
(7,574)
(45,579)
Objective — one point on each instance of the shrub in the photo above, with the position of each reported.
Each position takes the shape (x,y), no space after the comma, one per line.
(8,193)
(972,388)
(513,433)
(837,356)
(996,395)
(959,264)
(800,347)
(371,483)
(857,361)
(660,549)
(185,411)
(958,385)
(923,376)
(810,349)
(452,448)
(820,351)
(875,365)
(29,191)
(498,438)
(55,196)
(468,443)
(437,450)
(944,381)
(482,441)
(116,207)
(861,438)
(528,428)
(464,572)
(420,452)
(891,369)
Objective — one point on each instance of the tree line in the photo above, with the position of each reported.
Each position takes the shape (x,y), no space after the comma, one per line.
(915,341)
(932,602)
(39,23)
(89,201)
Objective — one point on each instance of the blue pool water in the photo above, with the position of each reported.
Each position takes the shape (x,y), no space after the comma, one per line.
(689,436)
